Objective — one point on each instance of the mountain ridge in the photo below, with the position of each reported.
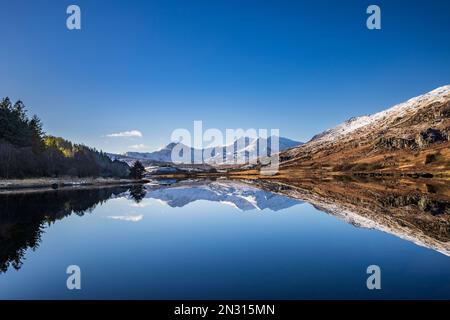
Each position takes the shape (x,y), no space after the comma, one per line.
(410,136)
(248,145)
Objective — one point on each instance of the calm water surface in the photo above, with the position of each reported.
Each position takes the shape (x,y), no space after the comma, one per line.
(204,241)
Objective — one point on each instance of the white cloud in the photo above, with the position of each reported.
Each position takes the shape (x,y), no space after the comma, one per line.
(126,134)
(138,146)
(130,218)
(140,205)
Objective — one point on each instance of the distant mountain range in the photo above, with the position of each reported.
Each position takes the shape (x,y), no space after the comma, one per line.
(244,147)
(411,138)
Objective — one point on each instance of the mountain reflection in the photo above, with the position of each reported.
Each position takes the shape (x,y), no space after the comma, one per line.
(237,194)
(412,209)
(417,211)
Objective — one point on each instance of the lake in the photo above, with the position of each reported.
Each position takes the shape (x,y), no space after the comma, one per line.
(227,240)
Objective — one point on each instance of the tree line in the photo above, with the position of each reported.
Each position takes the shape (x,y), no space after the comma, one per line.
(26,151)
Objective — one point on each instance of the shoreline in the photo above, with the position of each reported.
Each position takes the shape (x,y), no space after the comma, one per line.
(305,174)
(69,183)
(48,184)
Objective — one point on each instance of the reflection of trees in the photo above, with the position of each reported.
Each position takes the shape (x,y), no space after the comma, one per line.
(23,217)
(418,211)
(138,192)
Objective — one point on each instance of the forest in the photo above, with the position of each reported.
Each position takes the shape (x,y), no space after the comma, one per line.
(26,151)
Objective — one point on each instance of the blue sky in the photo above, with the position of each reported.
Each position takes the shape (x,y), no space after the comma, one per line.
(154,66)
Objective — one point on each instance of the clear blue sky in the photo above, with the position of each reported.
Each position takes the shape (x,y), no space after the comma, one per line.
(155,66)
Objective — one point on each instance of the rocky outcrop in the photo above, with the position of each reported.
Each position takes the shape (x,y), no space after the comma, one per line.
(393,143)
(429,136)
(422,140)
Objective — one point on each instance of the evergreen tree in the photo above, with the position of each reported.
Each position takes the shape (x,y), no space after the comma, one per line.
(35,126)
(25,150)
(137,170)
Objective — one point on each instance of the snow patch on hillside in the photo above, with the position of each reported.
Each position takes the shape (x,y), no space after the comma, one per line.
(394,112)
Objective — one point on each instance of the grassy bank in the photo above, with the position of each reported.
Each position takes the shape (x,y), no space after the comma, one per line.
(63,182)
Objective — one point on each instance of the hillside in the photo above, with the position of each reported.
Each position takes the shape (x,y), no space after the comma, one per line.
(410,138)
(27,152)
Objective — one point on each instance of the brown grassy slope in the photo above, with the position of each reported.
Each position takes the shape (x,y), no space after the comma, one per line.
(411,137)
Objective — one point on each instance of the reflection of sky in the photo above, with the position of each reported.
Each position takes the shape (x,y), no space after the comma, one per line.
(211,250)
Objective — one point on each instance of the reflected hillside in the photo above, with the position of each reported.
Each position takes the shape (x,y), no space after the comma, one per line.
(414,210)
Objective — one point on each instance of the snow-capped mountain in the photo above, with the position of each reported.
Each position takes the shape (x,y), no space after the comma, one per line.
(411,136)
(237,194)
(386,117)
(243,147)
(161,155)
(248,148)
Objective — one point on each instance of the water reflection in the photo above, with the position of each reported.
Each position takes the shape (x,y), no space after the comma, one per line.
(138,193)
(243,196)
(413,210)
(24,216)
